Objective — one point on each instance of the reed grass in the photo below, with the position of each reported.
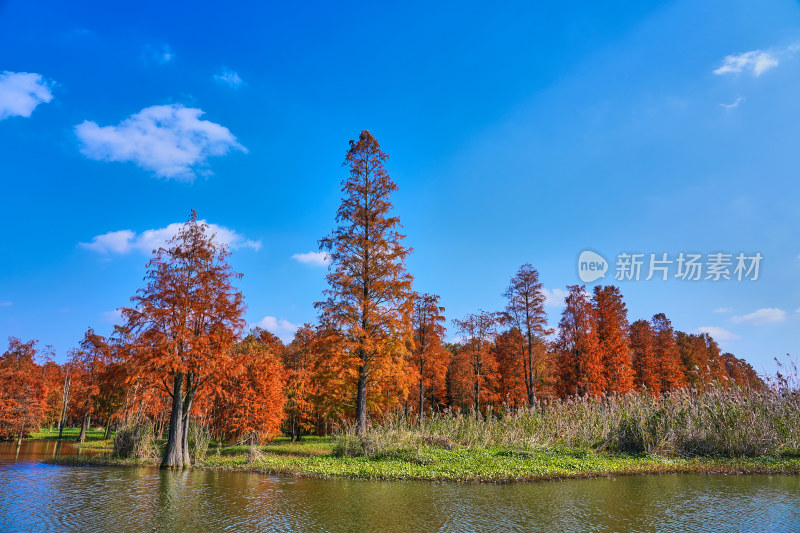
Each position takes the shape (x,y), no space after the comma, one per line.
(720,422)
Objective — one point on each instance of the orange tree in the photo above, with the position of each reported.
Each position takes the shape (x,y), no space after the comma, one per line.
(21,390)
(474,366)
(580,362)
(188,316)
(667,354)
(249,405)
(299,360)
(645,367)
(368,299)
(525,312)
(429,357)
(613,338)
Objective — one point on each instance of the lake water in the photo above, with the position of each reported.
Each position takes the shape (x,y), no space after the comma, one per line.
(39,497)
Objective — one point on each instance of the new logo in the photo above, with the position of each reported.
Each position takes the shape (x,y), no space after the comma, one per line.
(591,266)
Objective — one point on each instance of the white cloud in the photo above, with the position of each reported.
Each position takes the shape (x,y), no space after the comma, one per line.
(125,241)
(21,93)
(313,258)
(756,62)
(734,105)
(158,54)
(230,78)
(169,140)
(767,315)
(724,310)
(114,241)
(280,327)
(5,304)
(719,334)
(554,297)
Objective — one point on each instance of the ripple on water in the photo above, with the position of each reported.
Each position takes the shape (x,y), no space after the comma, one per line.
(40,497)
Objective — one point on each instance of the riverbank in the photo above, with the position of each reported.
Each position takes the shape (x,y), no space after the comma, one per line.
(315,458)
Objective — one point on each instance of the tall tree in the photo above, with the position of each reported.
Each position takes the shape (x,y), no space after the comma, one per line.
(188,316)
(474,360)
(299,360)
(667,355)
(89,367)
(511,383)
(52,382)
(525,311)
(429,357)
(581,366)
(613,338)
(645,366)
(369,296)
(21,390)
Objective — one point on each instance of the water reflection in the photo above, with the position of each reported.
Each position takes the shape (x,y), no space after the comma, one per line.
(36,450)
(35,496)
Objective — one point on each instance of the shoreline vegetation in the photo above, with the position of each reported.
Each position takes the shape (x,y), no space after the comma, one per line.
(721,431)
(469,466)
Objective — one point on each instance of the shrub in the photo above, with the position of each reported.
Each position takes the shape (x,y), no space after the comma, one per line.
(136,440)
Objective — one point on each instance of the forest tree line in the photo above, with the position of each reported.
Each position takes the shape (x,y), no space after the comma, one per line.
(181,357)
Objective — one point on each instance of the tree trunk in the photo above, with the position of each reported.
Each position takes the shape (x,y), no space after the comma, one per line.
(532,388)
(477,396)
(173,453)
(187,459)
(531,385)
(108,429)
(421,400)
(421,413)
(21,432)
(64,404)
(191,387)
(361,400)
(84,426)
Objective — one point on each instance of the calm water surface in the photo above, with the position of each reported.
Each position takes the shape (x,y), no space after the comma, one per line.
(40,497)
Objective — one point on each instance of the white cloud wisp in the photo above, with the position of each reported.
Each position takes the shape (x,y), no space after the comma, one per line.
(125,241)
(171,141)
(21,93)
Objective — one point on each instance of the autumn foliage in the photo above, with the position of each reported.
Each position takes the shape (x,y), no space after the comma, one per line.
(249,403)
(187,317)
(580,359)
(429,357)
(368,299)
(22,391)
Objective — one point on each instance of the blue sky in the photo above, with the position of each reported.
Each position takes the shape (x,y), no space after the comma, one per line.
(519,134)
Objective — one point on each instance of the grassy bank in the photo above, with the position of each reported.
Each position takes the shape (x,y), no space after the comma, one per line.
(719,431)
(69,434)
(95,438)
(315,457)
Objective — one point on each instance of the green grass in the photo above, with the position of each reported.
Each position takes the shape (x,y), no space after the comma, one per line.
(282,446)
(313,457)
(71,434)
